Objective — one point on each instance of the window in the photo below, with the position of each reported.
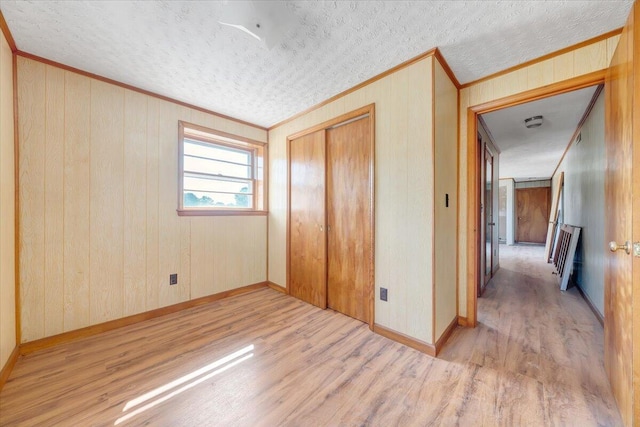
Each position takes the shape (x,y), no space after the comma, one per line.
(219,173)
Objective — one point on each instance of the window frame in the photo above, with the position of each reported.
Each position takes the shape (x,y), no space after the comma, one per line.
(258,151)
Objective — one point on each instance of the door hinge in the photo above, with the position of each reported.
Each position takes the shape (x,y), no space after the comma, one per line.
(636,249)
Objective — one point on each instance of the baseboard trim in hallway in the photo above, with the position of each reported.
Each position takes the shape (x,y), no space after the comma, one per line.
(446,335)
(591,305)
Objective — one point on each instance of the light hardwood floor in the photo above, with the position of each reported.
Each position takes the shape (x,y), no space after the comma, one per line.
(264,358)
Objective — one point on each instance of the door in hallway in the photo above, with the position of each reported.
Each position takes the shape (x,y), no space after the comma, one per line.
(532,213)
(487,201)
(622,222)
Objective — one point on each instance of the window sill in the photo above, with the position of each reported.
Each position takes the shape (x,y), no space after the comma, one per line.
(220,212)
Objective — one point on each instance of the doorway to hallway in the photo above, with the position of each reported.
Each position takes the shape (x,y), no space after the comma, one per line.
(519,167)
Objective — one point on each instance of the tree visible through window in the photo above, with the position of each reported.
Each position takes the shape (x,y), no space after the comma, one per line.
(218,172)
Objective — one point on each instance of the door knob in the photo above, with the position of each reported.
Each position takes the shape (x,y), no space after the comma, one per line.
(614,246)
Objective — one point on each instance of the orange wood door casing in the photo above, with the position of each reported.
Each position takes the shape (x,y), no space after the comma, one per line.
(349,214)
(532,208)
(307,237)
(622,220)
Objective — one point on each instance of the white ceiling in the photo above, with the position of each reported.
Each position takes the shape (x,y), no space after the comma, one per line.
(527,154)
(178,49)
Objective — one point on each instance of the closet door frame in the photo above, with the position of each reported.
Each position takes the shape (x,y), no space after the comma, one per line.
(353,115)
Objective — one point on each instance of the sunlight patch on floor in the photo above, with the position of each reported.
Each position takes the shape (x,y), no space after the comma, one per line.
(196,377)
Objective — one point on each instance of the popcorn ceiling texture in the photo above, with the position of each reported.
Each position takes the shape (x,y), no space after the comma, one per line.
(178,49)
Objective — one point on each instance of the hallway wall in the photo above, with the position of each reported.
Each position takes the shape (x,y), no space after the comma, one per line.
(506,211)
(584,167)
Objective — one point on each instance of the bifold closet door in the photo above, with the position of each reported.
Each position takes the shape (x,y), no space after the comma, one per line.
(307,239)
(349,238)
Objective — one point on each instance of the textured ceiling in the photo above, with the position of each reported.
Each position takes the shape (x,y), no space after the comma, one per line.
(535,153)
(178,48)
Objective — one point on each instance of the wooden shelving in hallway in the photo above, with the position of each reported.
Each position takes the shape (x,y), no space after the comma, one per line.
(264,358)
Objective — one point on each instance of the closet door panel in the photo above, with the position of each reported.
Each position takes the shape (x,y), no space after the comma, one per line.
(348,218)
(308,246)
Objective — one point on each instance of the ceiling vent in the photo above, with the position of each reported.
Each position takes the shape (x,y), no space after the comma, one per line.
(533,122)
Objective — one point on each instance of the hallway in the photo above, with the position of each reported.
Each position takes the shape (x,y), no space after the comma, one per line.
(546,341)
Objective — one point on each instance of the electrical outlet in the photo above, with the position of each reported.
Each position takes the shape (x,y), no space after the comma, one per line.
(383,294)
(173,279)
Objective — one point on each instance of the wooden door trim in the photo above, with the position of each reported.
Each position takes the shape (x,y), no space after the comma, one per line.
(635,225)
(372,215)
(479,143)
(16,209)
(368,110)
(473,206)
(363,111)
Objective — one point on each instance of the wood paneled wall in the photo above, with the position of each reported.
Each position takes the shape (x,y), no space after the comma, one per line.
(445,224)
(7,206)
(98,190)
(584,201)
(404,194)
(578,62)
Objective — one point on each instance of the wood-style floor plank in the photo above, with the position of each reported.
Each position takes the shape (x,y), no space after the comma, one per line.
(536,359)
